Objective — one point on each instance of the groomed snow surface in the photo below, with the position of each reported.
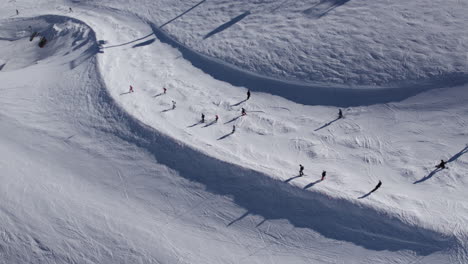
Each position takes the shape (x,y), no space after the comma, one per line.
(93,173)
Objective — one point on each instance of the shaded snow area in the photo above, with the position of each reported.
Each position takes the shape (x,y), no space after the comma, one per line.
(93,172)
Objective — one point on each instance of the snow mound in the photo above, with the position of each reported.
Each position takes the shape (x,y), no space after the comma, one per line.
(66,37)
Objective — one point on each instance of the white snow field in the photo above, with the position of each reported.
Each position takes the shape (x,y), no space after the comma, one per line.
(91,173)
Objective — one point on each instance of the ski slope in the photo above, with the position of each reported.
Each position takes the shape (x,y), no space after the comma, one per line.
(91,173)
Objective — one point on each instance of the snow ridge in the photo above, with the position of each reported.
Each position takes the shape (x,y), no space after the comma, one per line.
(311,93)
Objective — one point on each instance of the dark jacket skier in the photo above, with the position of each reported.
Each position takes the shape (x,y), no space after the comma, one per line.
(340,114)
(324,173)
(243,112)
(301,170)
(441,164)
(248,94)
(203,118)
(42,42)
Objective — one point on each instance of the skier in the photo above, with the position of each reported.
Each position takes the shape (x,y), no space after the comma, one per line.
(233,129)
(377,187)
(33,35)
(164,90)
(173,104)
(243,112)
(131,89)
(203,118)
(324,173)
(301,170)
(17,12)
(248,94)
(441,165)
(71,10)
(216,118)
(42,42)
(340,114)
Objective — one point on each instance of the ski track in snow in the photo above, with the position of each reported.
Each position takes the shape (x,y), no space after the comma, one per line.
(223,169)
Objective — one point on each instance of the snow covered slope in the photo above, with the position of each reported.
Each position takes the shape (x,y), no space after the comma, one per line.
(354,43)
(91,173)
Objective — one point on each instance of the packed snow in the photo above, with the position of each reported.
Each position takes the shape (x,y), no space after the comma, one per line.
(92,172)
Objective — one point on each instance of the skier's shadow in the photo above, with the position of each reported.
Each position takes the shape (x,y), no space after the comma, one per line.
(236,104)
(210,124)
(428,176)
(225,136)
(311,184)
(232,120)
(365,195)
(292,178)
(244,216)
(459,154)
(259,224)
(125,93)
(167,110)
(327,124)
(452,159)
(157,95)
(197,123)
(239,218)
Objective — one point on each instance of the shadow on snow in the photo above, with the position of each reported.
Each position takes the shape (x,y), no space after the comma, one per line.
(130,42)
(311,184)
(428,176)
(292,178)
(327,124)
(227,25)
(188,10)
(259,194)
(145,43)
(323,7)
(452,159)
(459,154)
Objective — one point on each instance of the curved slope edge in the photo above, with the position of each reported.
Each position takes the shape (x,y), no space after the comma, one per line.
(306,93)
